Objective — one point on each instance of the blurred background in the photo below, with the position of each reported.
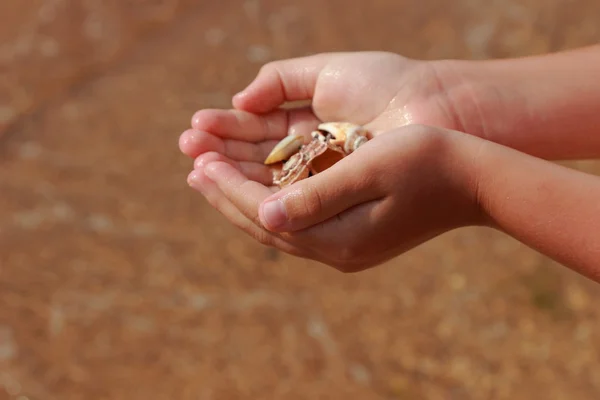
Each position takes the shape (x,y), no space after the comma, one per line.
(117,281)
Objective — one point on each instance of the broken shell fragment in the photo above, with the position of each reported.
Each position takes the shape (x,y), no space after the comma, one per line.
(292,160)
(293,170)
(325,159)
(345,134)
(285,149)
(299,165)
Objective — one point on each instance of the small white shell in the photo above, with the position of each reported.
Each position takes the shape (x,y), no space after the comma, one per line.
(347,135)
(285,149)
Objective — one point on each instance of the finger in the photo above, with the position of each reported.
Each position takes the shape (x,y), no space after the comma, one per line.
(198,180)
(254,171)
(194,143)
(243,193)
(280,81)
(249,127)
(351,181)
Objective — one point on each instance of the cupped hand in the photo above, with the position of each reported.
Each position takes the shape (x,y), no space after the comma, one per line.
(382,91)
(395,192)
(379,90)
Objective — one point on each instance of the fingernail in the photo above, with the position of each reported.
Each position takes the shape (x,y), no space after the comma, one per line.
(273,214)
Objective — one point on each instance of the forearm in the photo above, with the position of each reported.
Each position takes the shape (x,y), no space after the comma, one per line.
(547,106)
(548,207)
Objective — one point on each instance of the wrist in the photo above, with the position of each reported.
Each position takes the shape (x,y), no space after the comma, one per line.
(545,105)
(448,164)
(465,162)
(479,98)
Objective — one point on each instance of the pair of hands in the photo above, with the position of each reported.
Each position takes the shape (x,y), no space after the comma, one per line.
(410,183)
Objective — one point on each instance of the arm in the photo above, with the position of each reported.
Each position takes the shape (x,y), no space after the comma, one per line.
(550,208)
(547,106)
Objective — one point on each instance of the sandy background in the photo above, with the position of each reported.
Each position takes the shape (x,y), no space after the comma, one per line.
(119,282)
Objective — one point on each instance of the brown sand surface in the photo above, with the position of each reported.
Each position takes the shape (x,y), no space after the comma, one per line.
(119,282)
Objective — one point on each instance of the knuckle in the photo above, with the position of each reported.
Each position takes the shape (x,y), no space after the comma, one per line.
(305,204)
(255,221)
(270,67)
(265,67)
(313,203)
(260,235)
(263,237)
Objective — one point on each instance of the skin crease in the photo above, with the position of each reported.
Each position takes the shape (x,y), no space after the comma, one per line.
(546,106)
(421,175)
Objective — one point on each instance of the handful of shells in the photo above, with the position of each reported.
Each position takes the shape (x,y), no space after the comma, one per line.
(292,159)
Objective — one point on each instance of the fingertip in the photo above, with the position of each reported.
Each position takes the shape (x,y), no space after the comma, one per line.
(244,99)
(239,100)
(197,119)
(193,143)
(195,180)
(280,81)
(262,95)
(209,120)
(192,177)
(257,101)
(273,215)
(187,142)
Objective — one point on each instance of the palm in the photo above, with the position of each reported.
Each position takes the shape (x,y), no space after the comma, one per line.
(379,90)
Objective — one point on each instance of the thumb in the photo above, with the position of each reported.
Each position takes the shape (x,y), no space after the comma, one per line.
(348,183)
(294,79)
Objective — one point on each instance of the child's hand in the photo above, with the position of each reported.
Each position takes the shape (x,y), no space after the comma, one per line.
(544,106)
(425,180)
(395,192)
(410,185)
(381,91)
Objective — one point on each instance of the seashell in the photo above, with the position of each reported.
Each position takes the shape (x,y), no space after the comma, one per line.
(293,170)
(285,149)
(345,134)
(328,154)
(291,160)
(298,166)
